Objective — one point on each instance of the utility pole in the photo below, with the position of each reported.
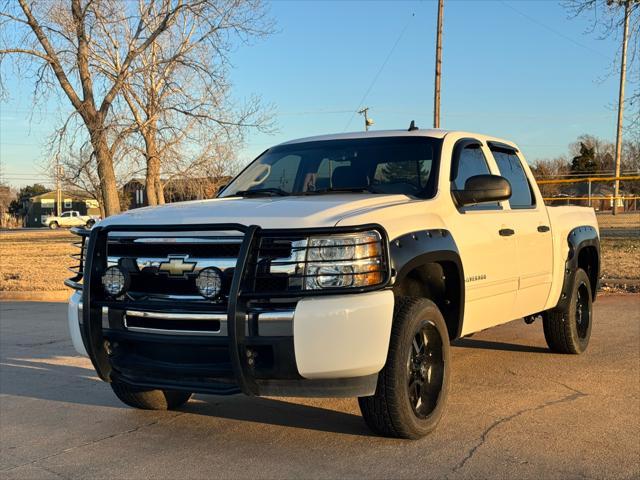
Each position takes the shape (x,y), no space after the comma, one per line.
(367,121)
(58,173)
(623,74)
(436,95)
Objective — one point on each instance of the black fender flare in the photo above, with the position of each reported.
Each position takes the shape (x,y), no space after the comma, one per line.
(578,238)
(418,248)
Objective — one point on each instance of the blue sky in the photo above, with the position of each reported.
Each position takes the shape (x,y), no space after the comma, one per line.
(522,70)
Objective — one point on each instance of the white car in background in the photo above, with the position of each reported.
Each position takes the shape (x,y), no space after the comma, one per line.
(71,218)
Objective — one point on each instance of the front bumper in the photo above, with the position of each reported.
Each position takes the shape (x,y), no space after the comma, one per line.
(327,346)
(335,345)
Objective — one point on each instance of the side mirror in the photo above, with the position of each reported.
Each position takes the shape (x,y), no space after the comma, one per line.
(483,189)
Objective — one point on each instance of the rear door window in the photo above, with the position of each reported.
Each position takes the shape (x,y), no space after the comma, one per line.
(511,168)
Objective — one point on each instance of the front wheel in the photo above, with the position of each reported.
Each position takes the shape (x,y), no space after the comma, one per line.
(150,399)
(53,225)
(413,385)
(568,329)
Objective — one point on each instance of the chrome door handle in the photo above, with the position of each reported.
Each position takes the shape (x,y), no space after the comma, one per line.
(506,232)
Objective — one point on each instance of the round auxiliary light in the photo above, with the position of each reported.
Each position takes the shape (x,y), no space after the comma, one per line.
(114,281)
(209,282)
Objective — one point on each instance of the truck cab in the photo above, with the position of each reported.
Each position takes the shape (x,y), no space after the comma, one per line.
(340,265)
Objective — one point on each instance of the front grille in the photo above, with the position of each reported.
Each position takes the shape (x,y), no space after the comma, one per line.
(172,323)
(163,265)
(143,260)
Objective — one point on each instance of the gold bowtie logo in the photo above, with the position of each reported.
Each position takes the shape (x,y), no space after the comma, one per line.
(176,265)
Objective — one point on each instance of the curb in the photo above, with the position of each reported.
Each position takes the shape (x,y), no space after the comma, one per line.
(620,285)
(45,296)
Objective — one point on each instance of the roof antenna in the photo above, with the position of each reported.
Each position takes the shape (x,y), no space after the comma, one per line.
(412,126)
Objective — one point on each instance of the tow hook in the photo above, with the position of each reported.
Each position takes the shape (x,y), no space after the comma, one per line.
(251,358)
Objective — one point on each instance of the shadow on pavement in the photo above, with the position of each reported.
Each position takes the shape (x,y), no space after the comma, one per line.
(44,378)
(276,412)
(491,345)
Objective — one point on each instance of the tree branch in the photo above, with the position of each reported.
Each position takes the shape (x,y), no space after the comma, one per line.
(53,58)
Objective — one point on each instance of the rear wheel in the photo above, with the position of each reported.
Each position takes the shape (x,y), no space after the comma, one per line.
(150,399)
(53,225)
(90,223)
(413,385)
(568,330)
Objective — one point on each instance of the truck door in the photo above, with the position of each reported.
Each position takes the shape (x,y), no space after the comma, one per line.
(530,221)
(65,219)
(487,249)
(77,219)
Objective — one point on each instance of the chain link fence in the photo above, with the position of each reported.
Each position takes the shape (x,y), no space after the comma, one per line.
(593,191)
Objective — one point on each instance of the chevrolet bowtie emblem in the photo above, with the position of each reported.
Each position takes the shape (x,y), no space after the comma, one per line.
(177,266)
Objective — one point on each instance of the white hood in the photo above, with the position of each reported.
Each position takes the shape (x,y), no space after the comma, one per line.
(266,212)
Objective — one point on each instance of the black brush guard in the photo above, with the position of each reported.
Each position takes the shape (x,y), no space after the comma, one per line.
(92,265)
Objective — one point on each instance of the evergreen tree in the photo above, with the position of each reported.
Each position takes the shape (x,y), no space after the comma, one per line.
(585,163)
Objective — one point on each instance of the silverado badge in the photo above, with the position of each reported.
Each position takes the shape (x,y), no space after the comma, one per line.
(177,266)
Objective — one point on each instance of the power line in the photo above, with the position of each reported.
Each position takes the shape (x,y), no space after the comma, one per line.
(313,112)
(553,30)
(375,78)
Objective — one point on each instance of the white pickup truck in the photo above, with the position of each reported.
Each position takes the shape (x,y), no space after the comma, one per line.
(337,266)
(71,218)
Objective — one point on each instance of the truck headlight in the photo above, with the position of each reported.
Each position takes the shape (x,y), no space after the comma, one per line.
(349,260)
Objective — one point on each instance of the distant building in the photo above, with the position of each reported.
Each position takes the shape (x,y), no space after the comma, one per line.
(6,195)
(134,195)
(41,206)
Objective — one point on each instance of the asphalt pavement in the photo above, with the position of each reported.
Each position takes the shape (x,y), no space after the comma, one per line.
(515,411)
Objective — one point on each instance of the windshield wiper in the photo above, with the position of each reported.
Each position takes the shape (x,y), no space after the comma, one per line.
(269,192)
(320,191)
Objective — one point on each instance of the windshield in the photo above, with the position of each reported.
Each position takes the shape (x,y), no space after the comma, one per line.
(389,165)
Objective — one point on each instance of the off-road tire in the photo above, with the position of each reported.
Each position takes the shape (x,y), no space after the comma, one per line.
(390,411)
(53,225)
(150,399)
(565,329)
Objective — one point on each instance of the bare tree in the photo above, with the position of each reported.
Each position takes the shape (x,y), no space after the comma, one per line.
(606,19)
(179,95)
(68,147)
(204,175)
(59,40)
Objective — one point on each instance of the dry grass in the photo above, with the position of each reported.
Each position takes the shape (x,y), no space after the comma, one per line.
(622,220)
(37,260)
(620,258)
